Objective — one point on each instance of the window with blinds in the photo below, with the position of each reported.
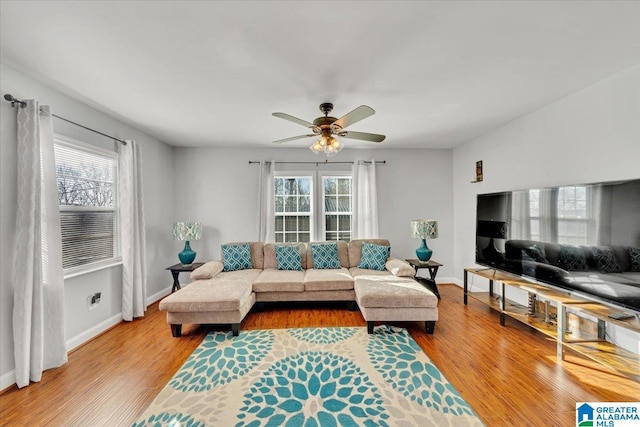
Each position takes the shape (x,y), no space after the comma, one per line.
(87,193)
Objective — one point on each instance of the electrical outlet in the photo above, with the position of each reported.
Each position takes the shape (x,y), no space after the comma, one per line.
(91,304)
(93,300)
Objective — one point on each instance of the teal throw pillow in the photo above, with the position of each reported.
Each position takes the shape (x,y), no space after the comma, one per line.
(236,257)
(325,256)
(373,256)
(606,260)
(634,255)
(288,257)
(572,258)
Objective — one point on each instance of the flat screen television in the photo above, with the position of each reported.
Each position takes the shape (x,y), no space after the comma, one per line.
(584,238)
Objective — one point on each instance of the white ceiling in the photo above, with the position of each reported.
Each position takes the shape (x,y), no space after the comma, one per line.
(211,73)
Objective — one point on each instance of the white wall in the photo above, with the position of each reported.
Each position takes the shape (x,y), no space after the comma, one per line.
(592,135)
(218,187)
(81,324)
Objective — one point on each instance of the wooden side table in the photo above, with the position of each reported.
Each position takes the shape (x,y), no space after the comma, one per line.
(430,265)
(179,268)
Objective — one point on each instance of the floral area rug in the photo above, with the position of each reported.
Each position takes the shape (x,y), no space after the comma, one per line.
(309,377)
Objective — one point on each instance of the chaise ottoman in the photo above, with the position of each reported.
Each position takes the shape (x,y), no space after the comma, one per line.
(225,300)
(390,298)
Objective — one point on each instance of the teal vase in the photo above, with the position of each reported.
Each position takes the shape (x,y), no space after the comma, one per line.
(187,255)
(423,252)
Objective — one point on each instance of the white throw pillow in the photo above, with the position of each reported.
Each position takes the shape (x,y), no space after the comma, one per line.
(399,268)
(207,270)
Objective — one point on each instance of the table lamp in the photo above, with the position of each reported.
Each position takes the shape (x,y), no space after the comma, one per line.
(492,230)
(424,229)
(187,231)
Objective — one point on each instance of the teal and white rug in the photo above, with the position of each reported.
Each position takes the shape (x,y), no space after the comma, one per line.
(309,377)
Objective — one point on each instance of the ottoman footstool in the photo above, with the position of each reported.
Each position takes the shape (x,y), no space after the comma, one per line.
(384,298)
(209,302)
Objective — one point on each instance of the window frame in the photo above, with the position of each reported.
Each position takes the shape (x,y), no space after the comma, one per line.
(323,225)
(312,202)
(85,147)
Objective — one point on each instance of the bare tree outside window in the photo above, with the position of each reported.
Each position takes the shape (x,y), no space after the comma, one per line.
(86,193)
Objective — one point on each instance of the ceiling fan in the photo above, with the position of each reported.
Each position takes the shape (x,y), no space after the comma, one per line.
(328,127)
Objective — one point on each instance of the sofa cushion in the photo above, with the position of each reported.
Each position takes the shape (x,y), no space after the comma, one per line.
(572,258)
(271,280)
(606,260)
(355,249)
(325,255)
(327,279)
(236,256)
(374,256)
(392,292)
(288,257)
(356,272)
(218,294)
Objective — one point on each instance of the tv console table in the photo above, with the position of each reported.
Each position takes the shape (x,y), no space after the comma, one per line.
(592,345)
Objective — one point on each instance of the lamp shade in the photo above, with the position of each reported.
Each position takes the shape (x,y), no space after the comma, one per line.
(187,231)
(493,229)
(424,228)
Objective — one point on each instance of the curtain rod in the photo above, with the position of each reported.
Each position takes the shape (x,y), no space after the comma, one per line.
(326,162)
(20,103)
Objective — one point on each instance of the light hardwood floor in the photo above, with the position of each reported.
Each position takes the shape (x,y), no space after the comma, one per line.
(509,375)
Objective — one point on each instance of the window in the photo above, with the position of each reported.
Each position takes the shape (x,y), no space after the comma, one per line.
(560,215)
(87,193)
(572,215)
(337,207)
(295,204)
(293,208)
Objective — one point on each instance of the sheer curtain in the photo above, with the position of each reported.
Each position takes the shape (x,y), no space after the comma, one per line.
(134,259)
(599,215)
(266,215)
(549,214)
(365,200)
(38,308)
(520,227)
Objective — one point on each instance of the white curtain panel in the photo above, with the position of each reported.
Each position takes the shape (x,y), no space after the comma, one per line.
(365,200)
(520,227)
(549,214)
(134,259)
(599,215)
(266,216)
(38,308)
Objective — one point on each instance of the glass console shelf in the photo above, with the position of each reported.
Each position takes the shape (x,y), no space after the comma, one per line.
(551,320)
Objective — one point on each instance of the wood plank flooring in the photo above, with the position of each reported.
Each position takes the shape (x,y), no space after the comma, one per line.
(509,375)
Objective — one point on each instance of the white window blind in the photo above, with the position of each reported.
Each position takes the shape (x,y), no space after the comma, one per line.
(87,193)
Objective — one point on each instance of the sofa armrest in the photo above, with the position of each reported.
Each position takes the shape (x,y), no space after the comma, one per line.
(399,268)
(207,270)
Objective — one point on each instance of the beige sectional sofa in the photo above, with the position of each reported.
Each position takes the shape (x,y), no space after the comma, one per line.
(225,297)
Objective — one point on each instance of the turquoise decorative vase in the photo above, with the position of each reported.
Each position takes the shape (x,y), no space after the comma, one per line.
(187,255)
(423,252)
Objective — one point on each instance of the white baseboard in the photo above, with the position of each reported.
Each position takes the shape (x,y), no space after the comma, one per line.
(158,295)
(7,380)
(93,332)
(449,280)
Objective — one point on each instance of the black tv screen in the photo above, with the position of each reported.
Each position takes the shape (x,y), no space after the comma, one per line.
(584,238)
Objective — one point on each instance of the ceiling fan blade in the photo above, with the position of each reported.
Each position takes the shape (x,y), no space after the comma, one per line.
(280,141)
(294,120)
(373,137)
(360,113)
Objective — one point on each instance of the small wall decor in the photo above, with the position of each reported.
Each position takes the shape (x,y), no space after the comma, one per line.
(478,171)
